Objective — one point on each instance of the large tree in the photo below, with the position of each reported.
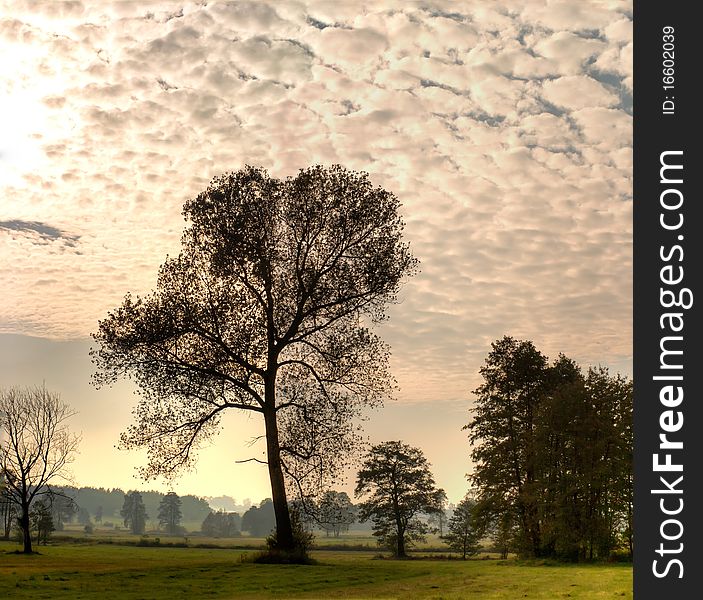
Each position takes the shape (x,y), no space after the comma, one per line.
(552,453)
(400,488)
(503,434)
(266,309)
(35,448)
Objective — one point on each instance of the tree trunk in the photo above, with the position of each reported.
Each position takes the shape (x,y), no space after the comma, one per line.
(401,542)
(284,531)
(24,526)
(401,545)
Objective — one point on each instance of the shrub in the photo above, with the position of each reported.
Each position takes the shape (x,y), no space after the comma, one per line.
(303,539)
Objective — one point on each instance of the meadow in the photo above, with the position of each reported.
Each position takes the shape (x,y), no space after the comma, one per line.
(92,570)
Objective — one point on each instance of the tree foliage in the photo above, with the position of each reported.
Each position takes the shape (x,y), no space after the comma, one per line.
(41,521)
(266,309)
(400,487)
(334,512)
(169,514)
(133,513)
(221,524)
(35,448)
(259,520)
(464,534)
(552,454)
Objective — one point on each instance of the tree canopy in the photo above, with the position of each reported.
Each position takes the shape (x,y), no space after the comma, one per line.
(170,513)
(334,512)
(400,487)
(133,513)
(266,309)
(552,454)
(464,533)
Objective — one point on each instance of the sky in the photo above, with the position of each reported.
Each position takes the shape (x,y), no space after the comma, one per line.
(504,128)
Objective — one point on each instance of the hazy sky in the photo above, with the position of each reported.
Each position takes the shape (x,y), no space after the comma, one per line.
(503,127)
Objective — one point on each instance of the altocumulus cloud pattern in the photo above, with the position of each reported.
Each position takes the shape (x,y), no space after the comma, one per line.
(503,127)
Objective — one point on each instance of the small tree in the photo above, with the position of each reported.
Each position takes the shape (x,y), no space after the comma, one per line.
(401,488)
(170,513)
(63,508)
(134,513)
(463,535)
(41,521)
(99,514)
(335,512)
(8,512)
(303,538)
(35,447)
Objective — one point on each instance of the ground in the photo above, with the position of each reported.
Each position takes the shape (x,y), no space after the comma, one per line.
(106,571)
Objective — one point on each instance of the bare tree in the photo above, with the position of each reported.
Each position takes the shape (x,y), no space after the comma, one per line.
(266,309)
(35,447)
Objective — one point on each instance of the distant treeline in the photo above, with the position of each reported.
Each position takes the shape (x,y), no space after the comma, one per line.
(106,507)
(103,504)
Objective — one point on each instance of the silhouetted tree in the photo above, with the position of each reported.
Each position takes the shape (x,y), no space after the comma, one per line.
(335,512)
(8,512)
(552,453)
(83,516)
(503,434)
(41,521)
(259,521)
(63,507)
(266,309)
(221,524)
(99,514)
(170,513)
(463,533)
(397,477)
(194,508)
(35,447)
(134,513)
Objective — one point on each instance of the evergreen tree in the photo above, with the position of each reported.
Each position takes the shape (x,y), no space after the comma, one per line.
(134,513)
(170,513)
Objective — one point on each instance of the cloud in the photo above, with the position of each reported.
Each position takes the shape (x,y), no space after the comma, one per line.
(578,91)
(42,231)
(503,127)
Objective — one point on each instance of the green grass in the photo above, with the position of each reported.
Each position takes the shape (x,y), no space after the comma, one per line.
(111,571)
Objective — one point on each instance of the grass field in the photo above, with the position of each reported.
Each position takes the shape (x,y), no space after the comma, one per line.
(112,571)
